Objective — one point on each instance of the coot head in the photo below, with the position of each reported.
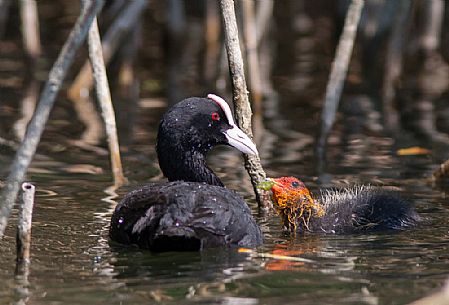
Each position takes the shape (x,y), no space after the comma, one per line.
(293,201)
(189,130)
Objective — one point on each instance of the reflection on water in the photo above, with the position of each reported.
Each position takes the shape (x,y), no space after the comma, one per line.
(73,262)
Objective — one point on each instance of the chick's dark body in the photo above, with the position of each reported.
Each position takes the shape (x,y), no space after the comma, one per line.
(363,208)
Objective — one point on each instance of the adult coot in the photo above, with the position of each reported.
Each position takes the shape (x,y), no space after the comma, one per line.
(194,210)
(354,209)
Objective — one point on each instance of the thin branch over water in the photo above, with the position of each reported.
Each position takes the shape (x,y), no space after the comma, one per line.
(104,99)
(240,95)
(393,65)
(30,28)
(111,41)
(338,74)
(36,126)
(252,56)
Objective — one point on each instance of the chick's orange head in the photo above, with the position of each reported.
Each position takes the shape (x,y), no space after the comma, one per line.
(288,184)
(290,189)
(294,202)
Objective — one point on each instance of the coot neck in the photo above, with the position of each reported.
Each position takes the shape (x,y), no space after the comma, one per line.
(178,163)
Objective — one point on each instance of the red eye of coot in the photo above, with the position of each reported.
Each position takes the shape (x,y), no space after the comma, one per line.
(215,116)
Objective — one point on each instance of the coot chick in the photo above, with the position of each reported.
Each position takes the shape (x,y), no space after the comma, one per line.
(194,210)
(351,210)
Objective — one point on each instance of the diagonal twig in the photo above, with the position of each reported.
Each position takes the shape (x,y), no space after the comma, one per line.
(104,99)
(240,96)
(36,126)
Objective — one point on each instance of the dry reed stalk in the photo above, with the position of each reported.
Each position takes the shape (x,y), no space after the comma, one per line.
(240,97)
(23,237)
(104,99)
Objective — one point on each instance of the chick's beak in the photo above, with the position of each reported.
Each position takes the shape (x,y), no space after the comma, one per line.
(267,184)
(276,188)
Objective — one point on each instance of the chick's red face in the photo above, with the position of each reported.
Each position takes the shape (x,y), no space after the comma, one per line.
(291,193)
(290,186)
(294,202)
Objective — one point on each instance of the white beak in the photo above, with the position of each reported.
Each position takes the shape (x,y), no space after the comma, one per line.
(238,139)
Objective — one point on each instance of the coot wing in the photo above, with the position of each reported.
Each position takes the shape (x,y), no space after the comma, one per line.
(222,218)
(139,209)
(183,216)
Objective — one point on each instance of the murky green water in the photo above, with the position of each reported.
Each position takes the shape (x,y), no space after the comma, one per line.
(73,263)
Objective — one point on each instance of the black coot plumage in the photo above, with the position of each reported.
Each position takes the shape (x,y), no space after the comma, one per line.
(194,210)
(351,210)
